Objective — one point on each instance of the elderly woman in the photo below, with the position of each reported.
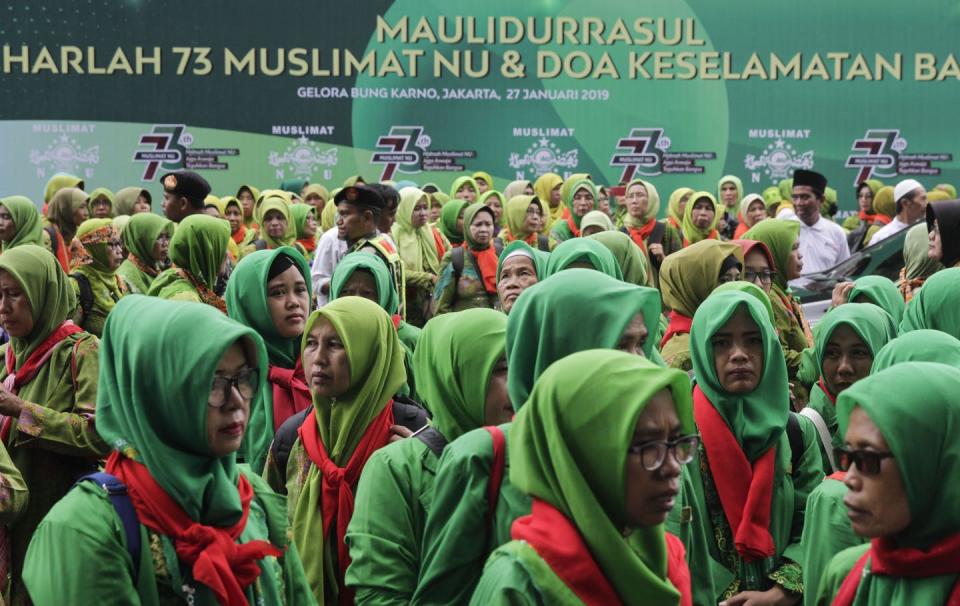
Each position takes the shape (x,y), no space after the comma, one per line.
(19,223)
(97,253)
(581,199)
(147,240)
(198,250)
(519,268)
(468,274)
(525,220)
(752,210)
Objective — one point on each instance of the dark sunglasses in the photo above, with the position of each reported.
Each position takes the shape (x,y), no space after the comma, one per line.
(867,461)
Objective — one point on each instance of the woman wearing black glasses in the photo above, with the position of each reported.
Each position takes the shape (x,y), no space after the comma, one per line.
(757,462)
(902,459)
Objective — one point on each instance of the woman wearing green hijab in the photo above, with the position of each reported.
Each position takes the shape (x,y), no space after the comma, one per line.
(19,223)
(686,279)
(100,203)
(269,291)
(676,206)
(701,216)
(354,362)
(858,224)
(474,503)
(632,263)
(464,188)
(451,221)
(917,264)
(922,345)
(900,457)
(483,180)
(781,238)
(276,226)
(880,291)
(421,248)
(595,222)
(581,198)
(97,253)
(209,531)
(519,268)
(525,222)
(48,395)
(462,380)
(656,240)
(305,225)
(547,189)
(752,484)
(58,182)
(66,211)
(132,201)
(595,532)
(585,253)
(472,282)
(147,238)
(729,194)
(247,195)
(935,305)
(198,250)
(496,202)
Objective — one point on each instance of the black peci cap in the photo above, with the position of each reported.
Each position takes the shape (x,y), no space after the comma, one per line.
(186,183)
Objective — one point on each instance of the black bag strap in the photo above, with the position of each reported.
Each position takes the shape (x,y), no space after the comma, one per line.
(456,256)
(86,296)
(434,440)
(54,245)
(656,236)
(795,435)
(117,493)
(543,243)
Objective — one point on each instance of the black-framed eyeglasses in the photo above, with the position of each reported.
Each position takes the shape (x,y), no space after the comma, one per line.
(765,276)
(653,454)
(867,461)
(115,244)
(245,382)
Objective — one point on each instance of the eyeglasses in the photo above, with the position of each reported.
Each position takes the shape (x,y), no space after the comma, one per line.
(867,461)
(764,276)
(653,454)
(115,244)
(245,382)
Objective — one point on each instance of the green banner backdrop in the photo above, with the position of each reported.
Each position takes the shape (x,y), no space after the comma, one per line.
(679,92)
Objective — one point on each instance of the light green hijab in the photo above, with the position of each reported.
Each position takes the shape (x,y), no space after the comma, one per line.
(673,204)
(492,193)
(373,265)
(468,216)
(453,363)
(448,220)
(872,324)
(142,232)
(881,292)
(515,215)
(778,235)
(756,419)
(922,345)
(574,457)
(540,329)
(935,304)
(538,257)
(416,245)
(281,205)
(572,190)
(58,182)
(103,278)
(26,220)
(101,193)
(739,185)
(298,212)
(653,204)
(460,182)
(915,247)
(199,245)
(61,208)
(583,250)
(688,276)
(691,233)
(125,199)
(597,218)
(632,262)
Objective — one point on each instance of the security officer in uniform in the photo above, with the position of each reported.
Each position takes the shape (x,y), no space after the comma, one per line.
(184,192)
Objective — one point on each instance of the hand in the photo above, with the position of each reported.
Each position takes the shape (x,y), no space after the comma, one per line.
(776,596)
(841,293)
(657,251)
(399,432)
(10,404)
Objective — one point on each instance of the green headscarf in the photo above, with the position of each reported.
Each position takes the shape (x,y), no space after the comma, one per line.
(915,247)
(688,276)
(48,292)
(771,197)
(580,250)
(737,182)
(632,262)
(948,188)
(468,216)
(786,189)
(935,304)
(673,204)
(101,193)
(653,204)
(58,182)
(572,184)
(374,266)
(316,188)
(884,203)
(597,218)
(255,192)
(453,362)
(416,245)
(779,236)
(141,234)
(126,198)
(26,220)
(571,192)
(461,181)
(922,345)
(574,457)
(199,245)
(757,419)
(60,211)
(299,214)
(448,220)
(540,330)
(543,188)
(923,440)
(872,324)
(751,289)
(102,278)
(152,399)
(353,180)
(294,186)
(691,233)
(280,205)
(485,176)
(492,193)
(538,257)
(882,293)
(515,215)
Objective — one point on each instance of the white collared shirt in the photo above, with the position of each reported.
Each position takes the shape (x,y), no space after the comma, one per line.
(888,230)
(822,245)
(330,249)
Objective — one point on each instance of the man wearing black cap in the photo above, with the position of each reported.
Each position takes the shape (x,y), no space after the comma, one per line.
(823,243)
(183,194)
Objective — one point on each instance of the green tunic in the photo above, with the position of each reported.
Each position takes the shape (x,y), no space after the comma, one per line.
(467,291)
(523,578)
(138,282)
(101,569)
(827,532)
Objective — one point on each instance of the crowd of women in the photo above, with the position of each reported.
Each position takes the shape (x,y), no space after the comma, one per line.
(384,394)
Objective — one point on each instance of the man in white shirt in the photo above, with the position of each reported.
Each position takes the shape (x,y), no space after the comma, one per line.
(823,243)
(330,249)
(911,200)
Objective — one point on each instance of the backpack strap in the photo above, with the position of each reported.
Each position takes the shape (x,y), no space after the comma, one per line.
(795,435)
(457,259)
(117,493)
(54,244)
(823,432)
(656,236)
(496,472)
(543,243)
(434,440)
(86,296)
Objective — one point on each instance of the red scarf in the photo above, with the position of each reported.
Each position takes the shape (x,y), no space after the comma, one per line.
(742,228)
(206,294)
(438,242)
(239,235)
(308,244)
(886,559)
(290,392)
(487,265)
(879,218)
(63,252)
(745,489)
(339,482)
(673,222)
(557,541)
(215,557)
(639,235)
(830,396)
(568,217)
(866,215)
(679,325)
(713,235)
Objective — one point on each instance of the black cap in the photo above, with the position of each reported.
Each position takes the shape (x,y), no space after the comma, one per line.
(360,195)
(811,179)
(186,183)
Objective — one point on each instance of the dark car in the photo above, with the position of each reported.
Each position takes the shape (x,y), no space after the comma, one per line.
(882,259)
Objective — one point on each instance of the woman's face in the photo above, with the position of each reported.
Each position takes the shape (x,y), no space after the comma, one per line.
(420,214)
(756,269)
(702,213)
(637,201)
(481,228)
(101,208)
(516,275)
(482,185)
(234,217)
(846,359)
(794,262)
(555,195)
(533,222)
(361,284)
(730,275)
(934,243)
(877,504)
(246,200)
(651,495)
(756,212)
(582,201)
(435,209)
(634,336)
(738,353)
(316,201)
(16,315)
(466,192)
(865,198)
(227,422)
(289,302)
(115,252)
(325,361)
(275,224)
(494,203)
(728,194)
(682,204)
(142,205)
(80,214)
(460,220)
(8,229)
(497,409)
(309,226)
(528,190)
(161,247)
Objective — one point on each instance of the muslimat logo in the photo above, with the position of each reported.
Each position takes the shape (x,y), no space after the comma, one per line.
(402,151)
(167,151)
(877,154)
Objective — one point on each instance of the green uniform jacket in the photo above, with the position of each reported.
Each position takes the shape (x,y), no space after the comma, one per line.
(386,530)
(138,282)
(53,441)
(826,533)
(96,568)
(516,575)
(173,288)
(692,526)
(456,540)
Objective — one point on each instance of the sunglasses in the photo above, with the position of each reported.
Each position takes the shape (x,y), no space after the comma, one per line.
(867,461)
